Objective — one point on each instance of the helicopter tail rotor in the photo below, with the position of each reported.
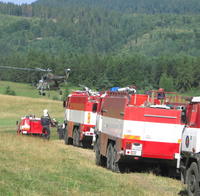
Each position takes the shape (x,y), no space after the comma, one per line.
(67,71)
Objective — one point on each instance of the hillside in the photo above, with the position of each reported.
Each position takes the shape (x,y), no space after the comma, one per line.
(85,30)
(32,166)
(131,6)
(125,42)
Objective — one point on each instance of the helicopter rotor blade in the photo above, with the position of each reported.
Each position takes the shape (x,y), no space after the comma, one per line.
(26,69)
(43,70)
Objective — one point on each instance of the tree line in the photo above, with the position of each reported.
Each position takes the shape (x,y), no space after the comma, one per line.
(128,6)
(105,71)
(105,43)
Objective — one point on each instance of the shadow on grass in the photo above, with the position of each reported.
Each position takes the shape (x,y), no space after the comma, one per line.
(183,193)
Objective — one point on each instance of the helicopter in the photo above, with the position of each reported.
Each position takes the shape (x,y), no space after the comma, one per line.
(48,80)
(51,81)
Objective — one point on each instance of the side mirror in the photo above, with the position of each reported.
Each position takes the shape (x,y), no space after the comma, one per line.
(17,122)
(183,116)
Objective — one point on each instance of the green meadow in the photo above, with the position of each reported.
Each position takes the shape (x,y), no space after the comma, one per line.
(36,167)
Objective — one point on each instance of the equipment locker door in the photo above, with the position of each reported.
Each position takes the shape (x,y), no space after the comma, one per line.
(163,131)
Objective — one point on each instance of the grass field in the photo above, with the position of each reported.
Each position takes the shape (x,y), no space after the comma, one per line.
(32,166)
(22,89)
(36,167)
(14,107)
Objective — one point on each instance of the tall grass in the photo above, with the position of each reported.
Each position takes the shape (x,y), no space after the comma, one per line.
(32,166)
(12,108)
(36,167)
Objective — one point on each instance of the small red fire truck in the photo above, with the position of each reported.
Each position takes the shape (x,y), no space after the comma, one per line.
(139,128)
(31,126)
(80,117)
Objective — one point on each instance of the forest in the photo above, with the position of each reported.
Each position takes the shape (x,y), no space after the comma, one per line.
(148,43)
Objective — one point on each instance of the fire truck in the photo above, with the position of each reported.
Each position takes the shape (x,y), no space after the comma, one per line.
(30,125)
(80,117)
(190,148)
(139,128)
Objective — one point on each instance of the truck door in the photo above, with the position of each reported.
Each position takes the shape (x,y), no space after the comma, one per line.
(191,134)
(113,115)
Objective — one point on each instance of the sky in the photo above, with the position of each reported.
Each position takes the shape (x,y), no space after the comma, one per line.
(18,1)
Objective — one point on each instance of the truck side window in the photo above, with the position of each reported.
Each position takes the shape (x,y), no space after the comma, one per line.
(94,107)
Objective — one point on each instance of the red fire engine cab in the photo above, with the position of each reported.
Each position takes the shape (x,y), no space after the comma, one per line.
(31,126)
(139,128)
(190,148)
(80,117)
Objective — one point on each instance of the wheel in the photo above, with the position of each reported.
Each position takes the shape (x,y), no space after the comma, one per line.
(97,152)
(112,162)
(76,137)
(66,138)
(115,164)
(109,156)
(99,159)
(192,180)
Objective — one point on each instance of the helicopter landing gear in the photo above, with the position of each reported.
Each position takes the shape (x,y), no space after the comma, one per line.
(42,93)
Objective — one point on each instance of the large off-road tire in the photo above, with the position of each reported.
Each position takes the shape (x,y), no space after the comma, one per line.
(99,159)
(76,137)
(112,163)
(66,138)
(109,156)
(115,165)
(192,180)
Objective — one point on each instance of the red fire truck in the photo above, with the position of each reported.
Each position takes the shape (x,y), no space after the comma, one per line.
(190,148)
(30,125)
(139,128)
(80,117)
